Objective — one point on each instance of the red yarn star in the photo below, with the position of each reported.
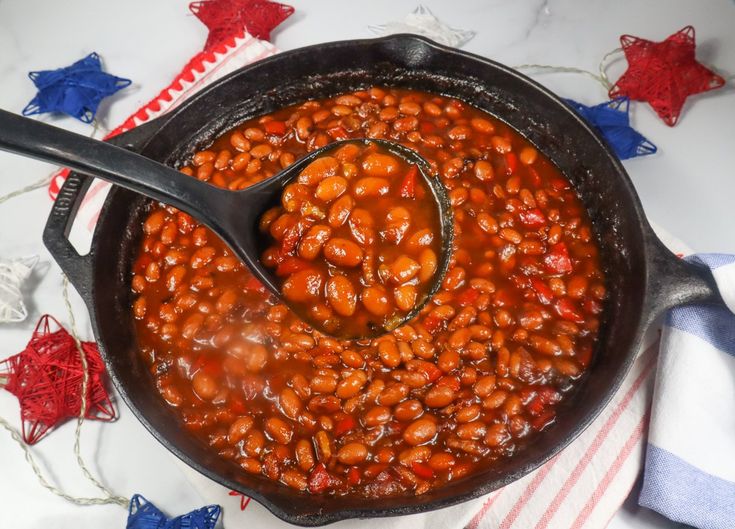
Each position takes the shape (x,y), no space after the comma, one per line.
(225,18)
(46,378)
(664,73)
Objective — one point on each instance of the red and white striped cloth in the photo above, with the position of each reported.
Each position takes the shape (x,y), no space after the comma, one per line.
(582,487)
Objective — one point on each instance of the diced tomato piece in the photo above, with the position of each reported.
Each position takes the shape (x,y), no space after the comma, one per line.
(430,370)
(353,476)
(504,297)
(198,363)
(557,260)
(345,425)
(237,405)
(543,291)
(373,470)
(276,128)
(293,235)
(408,186)
(548,395)
(533,218)
(426,127)
(534,177)
(449,381)
(421,470)
(559,184)
(567,309)
(319,479)
(467,297)
(338,133)
(253,284)
(511,162)
(143,261)
(543,420)
(535,406)
(290,265)
(207,364)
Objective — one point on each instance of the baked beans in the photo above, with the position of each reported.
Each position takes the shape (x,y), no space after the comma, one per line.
(355,240)
(470,380)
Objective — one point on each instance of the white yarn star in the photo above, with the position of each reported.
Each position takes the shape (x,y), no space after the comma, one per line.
(13,274)
(423,22)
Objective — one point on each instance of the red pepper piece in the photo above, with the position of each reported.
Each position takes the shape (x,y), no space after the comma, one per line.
(535,177)
(293,235)
(421,470)
(543,420)
(408,186)
(511,162)
(430,370)
(544,293)
(275,128)
(426,127)
(345,425)
(559,184)
(237,405)
(290,265)
(568,310)
(557,261)
(253,284)
(548,395)
(535,406)
(207,364)
(449,381)
(533,218)
(319,479)
(338,133)
(467,297)
(353,476)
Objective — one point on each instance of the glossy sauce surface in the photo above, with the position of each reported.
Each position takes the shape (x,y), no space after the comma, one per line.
(468,381)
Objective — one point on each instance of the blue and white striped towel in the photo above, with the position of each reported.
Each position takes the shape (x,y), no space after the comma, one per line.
(689,472)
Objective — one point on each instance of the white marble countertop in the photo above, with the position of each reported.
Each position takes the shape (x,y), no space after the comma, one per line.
(687,187)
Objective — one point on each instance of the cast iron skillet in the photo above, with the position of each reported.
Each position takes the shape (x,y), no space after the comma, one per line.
(643,277)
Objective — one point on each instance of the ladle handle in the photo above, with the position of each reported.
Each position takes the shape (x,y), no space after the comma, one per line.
(116,165)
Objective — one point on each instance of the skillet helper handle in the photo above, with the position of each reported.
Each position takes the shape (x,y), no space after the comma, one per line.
(78,268)
(674,281)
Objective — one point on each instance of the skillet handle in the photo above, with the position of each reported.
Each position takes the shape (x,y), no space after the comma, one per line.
(78,268)
(673,281)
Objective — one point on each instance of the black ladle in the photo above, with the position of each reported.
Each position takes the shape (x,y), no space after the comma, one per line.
(232,215)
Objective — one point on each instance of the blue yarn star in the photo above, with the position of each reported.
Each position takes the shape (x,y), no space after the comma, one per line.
(75,90)
(142,514)
(612,120)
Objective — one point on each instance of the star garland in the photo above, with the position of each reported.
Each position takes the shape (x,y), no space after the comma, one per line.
(75,90)
(46,377)
(423,22)
(226,18)
(13,274)
(664,74)
(612,120)
(142,514)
